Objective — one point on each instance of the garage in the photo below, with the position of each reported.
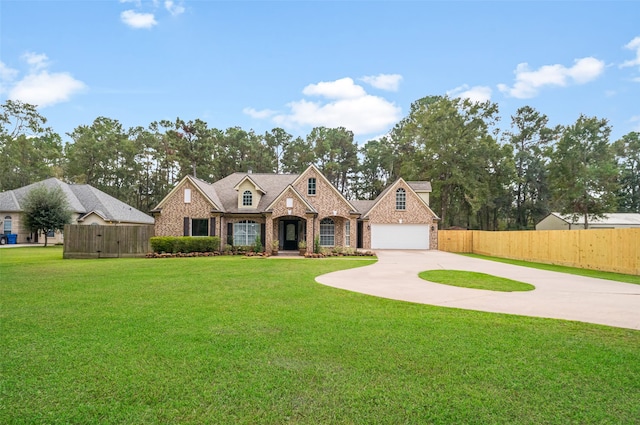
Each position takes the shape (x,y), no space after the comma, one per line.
(399,236)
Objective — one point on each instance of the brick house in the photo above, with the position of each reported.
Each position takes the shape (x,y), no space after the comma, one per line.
(298,207)
(88,206)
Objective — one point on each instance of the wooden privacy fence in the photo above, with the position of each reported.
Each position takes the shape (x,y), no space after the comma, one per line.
(614,250)
(91,241)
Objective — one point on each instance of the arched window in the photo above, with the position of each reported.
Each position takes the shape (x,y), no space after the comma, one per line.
(245,232)
(247,198)
(327,232)
(401,199)
(7,225)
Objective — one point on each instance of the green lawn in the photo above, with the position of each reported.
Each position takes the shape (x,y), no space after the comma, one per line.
(475,280)
(228,340)
(620,277)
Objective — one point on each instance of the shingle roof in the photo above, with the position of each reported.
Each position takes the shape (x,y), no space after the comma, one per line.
(420,186)
(611,218)
(83,199)
(362,207)
(272,184)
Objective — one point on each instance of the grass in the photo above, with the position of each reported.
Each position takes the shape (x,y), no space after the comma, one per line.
(258,341)
(620,277)
(465,279)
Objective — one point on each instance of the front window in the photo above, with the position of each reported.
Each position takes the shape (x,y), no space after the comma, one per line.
(311,186)
(187,196)
(347,233)
(245,232)
(7,225)
(247,198)
(327,232)
(199,227)
(401,199)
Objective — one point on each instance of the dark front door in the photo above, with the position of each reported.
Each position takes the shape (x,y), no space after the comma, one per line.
(290,235)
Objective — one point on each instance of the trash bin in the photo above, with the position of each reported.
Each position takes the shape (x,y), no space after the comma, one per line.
(12,238)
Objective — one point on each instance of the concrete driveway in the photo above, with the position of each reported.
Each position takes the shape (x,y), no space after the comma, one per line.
(557,295)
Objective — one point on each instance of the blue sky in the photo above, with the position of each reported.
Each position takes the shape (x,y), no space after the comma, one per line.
(301,64)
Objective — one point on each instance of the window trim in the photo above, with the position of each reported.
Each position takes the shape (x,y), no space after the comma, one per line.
(7,229)
(312,186)
(247,198)
(327,232)
(199,220)
(347,233)
(401,199)
(244,226)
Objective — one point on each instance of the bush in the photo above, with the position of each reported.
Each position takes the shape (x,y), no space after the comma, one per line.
(257,247)
(185,244)
(316,245)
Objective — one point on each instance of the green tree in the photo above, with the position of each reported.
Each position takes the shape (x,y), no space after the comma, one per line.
(450,142)
(530,138)
(30,151)
(104,156)
(46,210)
(583,170)
(277,141)
(297,156)
(627,151)
(336,154)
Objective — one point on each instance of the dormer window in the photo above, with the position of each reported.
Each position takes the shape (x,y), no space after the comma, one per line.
(247,198)
(311,186)
(401,199)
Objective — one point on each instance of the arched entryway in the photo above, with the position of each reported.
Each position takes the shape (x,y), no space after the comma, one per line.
(291,230)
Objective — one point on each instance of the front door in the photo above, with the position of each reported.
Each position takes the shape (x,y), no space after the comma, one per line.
(290,235)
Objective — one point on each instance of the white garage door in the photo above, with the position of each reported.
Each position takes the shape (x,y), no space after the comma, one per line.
(399,236)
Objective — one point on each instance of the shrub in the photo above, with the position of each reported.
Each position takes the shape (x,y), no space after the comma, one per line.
(257,246)
(316,245)
(184,244)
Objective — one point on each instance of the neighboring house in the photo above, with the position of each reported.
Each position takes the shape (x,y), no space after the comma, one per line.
(88,205)
(557,221)
(292,208)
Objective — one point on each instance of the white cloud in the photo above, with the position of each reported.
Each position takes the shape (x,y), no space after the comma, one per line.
(345,104)
(36,61)
(44,89)
(174,9)
(633,45)
(39,87)
(138,20)
(389,82)
(529,82)
(254,113)
(343,88)
(7,75)
(635,120)
(474,94)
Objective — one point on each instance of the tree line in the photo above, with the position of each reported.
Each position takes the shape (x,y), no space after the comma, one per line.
(482,177)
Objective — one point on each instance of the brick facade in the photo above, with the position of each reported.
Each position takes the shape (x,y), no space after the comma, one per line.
(294,203)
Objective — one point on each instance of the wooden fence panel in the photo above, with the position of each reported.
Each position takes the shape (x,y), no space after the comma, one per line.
(615,250)
(93,241)
(455,240)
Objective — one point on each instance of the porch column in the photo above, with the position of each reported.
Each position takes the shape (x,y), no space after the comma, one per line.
(268,231)
(310,232)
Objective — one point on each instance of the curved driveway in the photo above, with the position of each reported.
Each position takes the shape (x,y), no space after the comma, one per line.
(557,295)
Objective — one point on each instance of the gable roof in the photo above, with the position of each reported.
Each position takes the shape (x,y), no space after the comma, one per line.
(206,189)
(310,207)
(627,219)
(392,186)
(83,199)
(313,167)
(271,185)
(256,185)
